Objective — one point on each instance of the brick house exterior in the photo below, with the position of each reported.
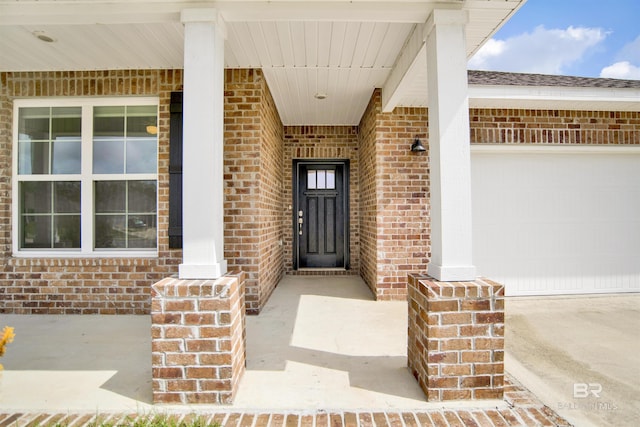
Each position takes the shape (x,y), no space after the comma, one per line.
(388,197)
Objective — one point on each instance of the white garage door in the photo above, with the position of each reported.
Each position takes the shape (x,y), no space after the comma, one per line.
(557,220)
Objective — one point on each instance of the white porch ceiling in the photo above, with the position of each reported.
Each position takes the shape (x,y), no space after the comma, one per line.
(342,48)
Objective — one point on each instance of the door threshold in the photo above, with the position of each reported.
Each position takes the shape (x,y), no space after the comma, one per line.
(310,271)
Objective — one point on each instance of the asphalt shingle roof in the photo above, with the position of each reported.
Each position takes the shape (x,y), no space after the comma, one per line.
(498,78)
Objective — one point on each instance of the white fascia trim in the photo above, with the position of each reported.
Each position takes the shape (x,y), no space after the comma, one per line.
(553,149)
(129,12)
(553,93)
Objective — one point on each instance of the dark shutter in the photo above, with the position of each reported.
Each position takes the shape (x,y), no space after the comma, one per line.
(175,172)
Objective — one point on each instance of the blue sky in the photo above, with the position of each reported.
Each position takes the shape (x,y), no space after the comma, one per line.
(590,38)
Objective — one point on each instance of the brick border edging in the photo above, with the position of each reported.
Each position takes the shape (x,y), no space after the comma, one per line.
(198,339)
(523,410)
(455,343)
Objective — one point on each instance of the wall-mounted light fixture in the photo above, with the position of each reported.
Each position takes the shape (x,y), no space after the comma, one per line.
(417,146)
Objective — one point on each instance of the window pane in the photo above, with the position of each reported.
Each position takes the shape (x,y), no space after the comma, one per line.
(142,231)
(110,231)
(67,231)
(65,122)
(322,180)
(110,196)
(311,180)
(50,142)
(66,156)
(108,121)
(331,180)
(141,155)
(142,196)
(36,232)
(108,156)
(66,197)
(33,123)
(142,120)
(35,197)
(33,158)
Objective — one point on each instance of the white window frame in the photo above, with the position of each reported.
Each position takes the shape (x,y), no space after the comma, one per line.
(86,178)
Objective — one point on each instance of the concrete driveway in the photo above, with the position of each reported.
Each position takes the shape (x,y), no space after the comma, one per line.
(579,355)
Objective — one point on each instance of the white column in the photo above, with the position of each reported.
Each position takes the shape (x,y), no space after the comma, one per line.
(449,150)
(203,146)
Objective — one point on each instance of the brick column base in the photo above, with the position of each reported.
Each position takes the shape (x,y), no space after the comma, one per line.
(456,338)
(197,339)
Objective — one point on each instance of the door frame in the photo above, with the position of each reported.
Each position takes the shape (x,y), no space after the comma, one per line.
(297,163)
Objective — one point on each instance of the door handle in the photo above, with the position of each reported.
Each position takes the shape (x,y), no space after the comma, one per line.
(300,222)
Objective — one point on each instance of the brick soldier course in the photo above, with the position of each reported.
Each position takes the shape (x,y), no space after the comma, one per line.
(522,409)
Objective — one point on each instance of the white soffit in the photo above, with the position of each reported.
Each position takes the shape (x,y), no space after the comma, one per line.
(343,48)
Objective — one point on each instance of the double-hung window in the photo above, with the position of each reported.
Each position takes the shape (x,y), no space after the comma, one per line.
(85,177)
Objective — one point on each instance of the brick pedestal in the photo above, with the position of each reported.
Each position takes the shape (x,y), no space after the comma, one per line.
(456,338)
(198,339)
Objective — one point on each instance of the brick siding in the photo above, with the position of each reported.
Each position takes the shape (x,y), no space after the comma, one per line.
(84,285)
(322,142)
(368,193)
(389,212)
(456,338)
(394,193)
(253,184)
(198,339)
(519,126)
(253,198)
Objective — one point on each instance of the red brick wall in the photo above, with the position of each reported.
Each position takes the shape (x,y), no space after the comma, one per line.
(272,212)
(321,142)
(389,214)
(516,126)
(368,193)
(86,285)
(456,338)
(198,340)
(253,198)
(253,184)
(395,194)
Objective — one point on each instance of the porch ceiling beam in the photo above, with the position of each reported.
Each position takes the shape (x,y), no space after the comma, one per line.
(404,69)
(407,64)
(128,12)
(78,13)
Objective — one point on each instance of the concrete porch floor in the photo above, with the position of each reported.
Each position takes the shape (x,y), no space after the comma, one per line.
(319,343)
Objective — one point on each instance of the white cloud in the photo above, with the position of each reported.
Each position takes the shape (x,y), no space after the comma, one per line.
(621,70)
(545,51)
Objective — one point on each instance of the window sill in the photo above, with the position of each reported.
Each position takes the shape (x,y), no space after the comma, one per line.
(114,254)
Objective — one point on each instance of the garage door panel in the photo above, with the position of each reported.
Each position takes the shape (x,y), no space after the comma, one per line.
(557,222)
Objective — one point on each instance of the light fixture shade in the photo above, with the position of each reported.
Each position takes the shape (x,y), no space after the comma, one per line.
(417,146)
